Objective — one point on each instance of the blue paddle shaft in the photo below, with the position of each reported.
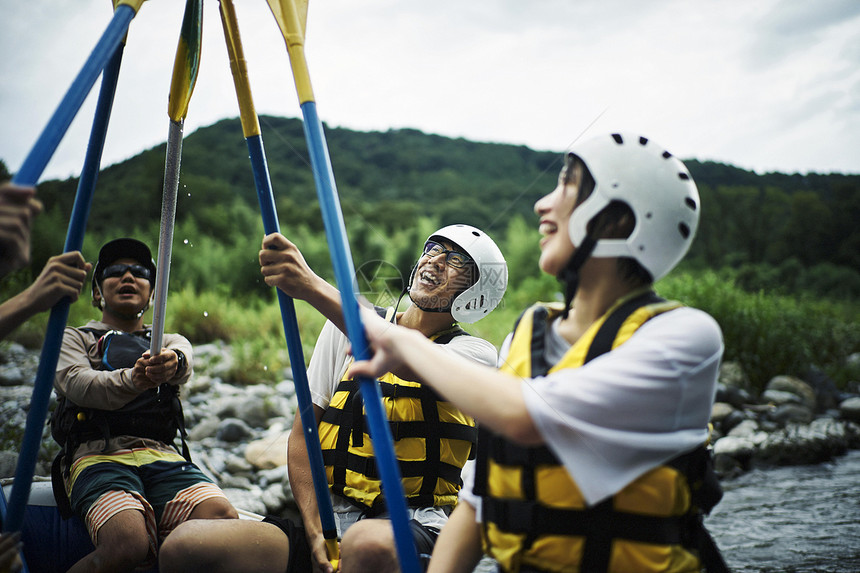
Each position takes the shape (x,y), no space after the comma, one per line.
(266,197)
(44,148)
(60,313)
(344,272)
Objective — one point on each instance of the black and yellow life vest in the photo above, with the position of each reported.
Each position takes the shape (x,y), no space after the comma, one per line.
(155,413)
(432,441)
(534,516)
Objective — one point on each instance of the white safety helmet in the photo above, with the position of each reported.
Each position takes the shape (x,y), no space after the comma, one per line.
(654,184)
(478,300)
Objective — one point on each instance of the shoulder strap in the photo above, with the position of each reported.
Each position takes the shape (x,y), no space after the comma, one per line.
(97,332)
(383,312)
(59,486)
(448,335)
(605,336)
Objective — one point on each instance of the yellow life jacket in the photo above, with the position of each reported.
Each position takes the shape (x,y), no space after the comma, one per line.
(534,517)
(432,441)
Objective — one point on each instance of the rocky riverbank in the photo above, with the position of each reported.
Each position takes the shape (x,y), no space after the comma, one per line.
(238,434)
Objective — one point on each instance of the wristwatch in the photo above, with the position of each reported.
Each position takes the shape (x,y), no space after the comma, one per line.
(182,362)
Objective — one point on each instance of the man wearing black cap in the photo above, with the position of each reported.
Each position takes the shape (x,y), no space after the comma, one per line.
(117,416)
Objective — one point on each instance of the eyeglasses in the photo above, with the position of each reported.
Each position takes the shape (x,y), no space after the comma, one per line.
(455,259)
(119,270)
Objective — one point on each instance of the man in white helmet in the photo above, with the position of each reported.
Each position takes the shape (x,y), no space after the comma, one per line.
(460,276)
(591,454)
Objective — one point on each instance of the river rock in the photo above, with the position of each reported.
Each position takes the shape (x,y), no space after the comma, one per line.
(733,385)
(725,417)
(233,430)
(253,409)
(827,394)
(18,365)
(205,428)
(731,421)
(11,375)
(8,462)
(850,409)
(745,429)
(733,375)
(276,475)
(720,411)
(216,356)
(269,452)
(794,386)
(791,413)
(247,498)
(803,444)
(238,466)
(274,498)
(779,397)
(735,446)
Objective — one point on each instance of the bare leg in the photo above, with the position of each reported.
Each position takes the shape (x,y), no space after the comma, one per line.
(368,545)
(224,545)
(122,545)
(214,508)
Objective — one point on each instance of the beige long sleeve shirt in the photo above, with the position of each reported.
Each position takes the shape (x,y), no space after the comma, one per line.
(79,379)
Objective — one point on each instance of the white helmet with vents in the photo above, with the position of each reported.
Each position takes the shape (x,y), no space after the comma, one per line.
(654,184)
(478,300)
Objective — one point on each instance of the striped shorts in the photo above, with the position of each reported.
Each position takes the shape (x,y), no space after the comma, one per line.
(164,486)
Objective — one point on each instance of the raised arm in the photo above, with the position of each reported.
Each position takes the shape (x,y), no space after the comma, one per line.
(63,276)
(283,265)
(465,383)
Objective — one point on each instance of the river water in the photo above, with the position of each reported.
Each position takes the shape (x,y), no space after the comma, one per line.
(798,519)
(792,519)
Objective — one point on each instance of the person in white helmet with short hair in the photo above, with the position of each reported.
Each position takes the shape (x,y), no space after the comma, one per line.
(592,453)
(460,277)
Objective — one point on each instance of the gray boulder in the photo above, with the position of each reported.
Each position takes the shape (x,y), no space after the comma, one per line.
(794,386)
(850,409)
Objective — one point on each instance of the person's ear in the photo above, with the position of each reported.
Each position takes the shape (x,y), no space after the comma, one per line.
(97,298)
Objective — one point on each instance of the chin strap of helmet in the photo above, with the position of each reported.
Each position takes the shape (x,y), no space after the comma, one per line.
(428,309)
(569,275)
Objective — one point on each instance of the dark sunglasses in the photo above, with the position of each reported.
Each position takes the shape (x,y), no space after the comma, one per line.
(455,259)
(119,270)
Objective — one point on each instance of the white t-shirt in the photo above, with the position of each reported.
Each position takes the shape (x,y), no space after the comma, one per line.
(328,366)
(629,410)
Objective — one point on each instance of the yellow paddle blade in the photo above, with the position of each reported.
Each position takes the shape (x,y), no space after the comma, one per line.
(187,61)
(134,4)
(282,8)
(292,16)
(250,122)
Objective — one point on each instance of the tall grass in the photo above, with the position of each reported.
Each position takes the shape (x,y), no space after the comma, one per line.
(772,334)
(768,334)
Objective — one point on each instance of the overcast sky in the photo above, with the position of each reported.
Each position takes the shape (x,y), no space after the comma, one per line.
(767,85)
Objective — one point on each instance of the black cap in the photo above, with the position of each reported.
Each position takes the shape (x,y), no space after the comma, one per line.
(124,248)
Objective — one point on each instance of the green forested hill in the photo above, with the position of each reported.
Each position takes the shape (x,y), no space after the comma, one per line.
(485,182)
(395,181)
